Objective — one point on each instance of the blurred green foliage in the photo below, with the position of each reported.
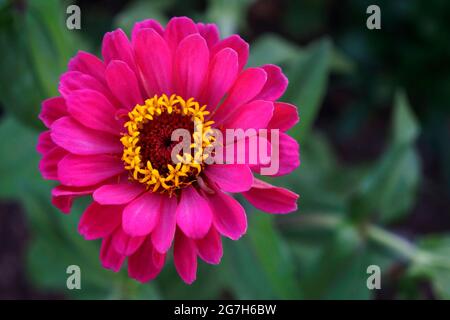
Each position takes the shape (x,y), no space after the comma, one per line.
(322,251)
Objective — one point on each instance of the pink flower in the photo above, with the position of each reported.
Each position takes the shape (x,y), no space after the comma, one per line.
(109,137)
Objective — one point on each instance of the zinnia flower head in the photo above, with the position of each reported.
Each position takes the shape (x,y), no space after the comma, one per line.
(110,135)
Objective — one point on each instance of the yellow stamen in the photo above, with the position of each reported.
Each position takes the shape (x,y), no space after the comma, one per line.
(177,175)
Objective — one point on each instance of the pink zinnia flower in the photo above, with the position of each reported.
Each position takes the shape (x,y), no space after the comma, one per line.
(109,137)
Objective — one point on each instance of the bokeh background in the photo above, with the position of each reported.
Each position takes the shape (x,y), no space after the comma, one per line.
(374,182)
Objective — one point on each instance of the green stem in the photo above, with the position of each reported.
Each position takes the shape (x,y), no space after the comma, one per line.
(398,244)
(375,233)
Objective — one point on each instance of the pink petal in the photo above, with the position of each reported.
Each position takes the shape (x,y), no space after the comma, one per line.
(124,243)
(141,215)
(62,196)
(116,46)
(45,142)
(285,116)
(154,60)
(194,216)
(99,221)
(146,263)
(74,80)
(237,44)
(209,32)
(222,73)
(229,216)
(63,203)
(75,170)
(177,29)
(247,86)
(210,247)
(120,193)
(269,198)
(247,148)
(146,24)
(123,83)
(191,65)
(276,83)
(255,115)
(52,109)
(93,110)
(185,257)
(48,166)
(289,154)
(230,177)
(88,64)
(109,257)
(162,235)
(75,138)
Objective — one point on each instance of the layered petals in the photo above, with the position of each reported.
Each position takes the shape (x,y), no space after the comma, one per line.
(80,171)
(185,257)
(155,65)
(109,137)
(52,110)
(48,165)
(126,244)
(163,234)
(224,66)
(45,142)
(99,221)
(230,177)
(123,83)
(229,216)
(191,65)
(146,24)
(142,214)
(109,257)
(177,29)
(77,139)
(89,64)
(146,263)
(285,116)
(193,213)
(272,199)
(253,115)
(209,248)
(116,46)
(237,44)
(119,193)
(247,86)
(275,85)
(94,110)
(63,196)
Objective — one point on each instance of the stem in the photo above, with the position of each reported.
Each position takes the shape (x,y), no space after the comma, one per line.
(386,238)
(395,243)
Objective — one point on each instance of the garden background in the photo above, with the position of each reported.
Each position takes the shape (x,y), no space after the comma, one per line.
(374,182)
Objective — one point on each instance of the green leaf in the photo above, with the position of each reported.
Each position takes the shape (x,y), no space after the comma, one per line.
(405,126)
(341,63)
(390,186)
(434,263)
(322,183)
(227,14)
(36,47)
(19,161)
(307,83)
(274,255)
(273,49)
(335,259)
(247,280)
